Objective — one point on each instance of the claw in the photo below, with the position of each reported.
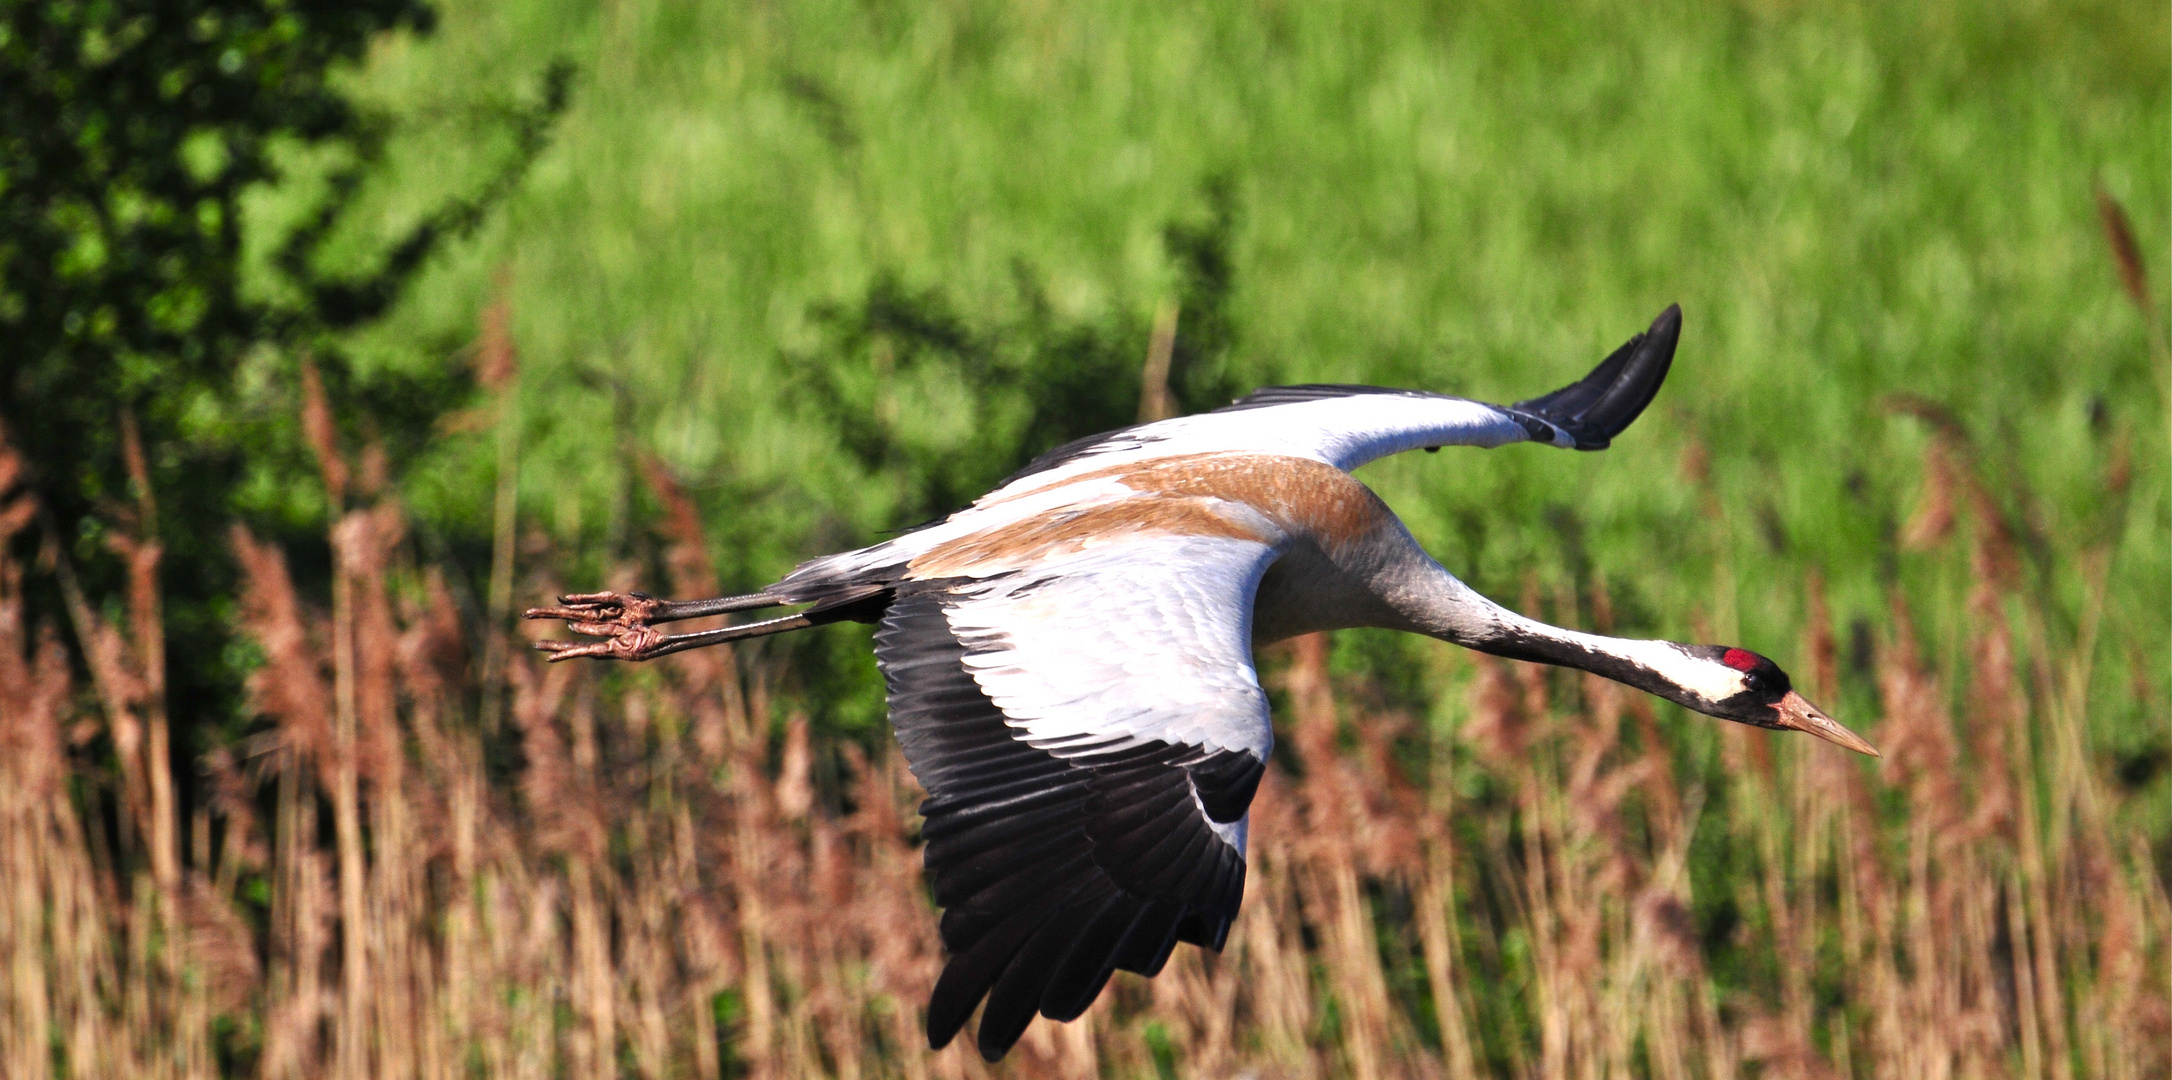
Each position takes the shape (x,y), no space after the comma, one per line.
(619,609)
(567,650)
(620,618)
(626,643)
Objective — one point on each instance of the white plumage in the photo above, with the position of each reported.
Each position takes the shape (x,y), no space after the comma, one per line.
(1138,639)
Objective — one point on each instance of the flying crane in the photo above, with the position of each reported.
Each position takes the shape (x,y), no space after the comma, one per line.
(1069,659)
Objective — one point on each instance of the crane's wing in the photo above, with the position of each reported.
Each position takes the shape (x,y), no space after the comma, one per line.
(1348,426)
(1090,733)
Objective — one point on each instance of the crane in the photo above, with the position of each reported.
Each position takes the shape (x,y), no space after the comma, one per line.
(1069,659)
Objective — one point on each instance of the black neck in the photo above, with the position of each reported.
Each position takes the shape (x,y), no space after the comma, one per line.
(1442,606)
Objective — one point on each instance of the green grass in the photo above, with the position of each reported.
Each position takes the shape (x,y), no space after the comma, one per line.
(1849,201)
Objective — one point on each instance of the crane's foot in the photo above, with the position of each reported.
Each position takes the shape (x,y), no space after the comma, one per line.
(627,623)
(602,613)
(636,644)
(621,619)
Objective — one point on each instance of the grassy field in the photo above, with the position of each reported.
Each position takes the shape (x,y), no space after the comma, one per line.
(1849,202)
(1914,447)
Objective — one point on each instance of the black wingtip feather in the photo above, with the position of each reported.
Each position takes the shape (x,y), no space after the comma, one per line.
(1604,403)
(1082,973)
(971,972)
(1204,930)
(1016,996)
(948,1010)
(1147,946)
(1206,927)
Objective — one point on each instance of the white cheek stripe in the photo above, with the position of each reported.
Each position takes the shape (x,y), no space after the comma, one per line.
(1707,679)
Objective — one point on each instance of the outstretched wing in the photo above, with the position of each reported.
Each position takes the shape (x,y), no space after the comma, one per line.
(1090,733)
(1348,426)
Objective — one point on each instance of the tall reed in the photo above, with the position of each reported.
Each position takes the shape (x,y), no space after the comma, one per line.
(661,872)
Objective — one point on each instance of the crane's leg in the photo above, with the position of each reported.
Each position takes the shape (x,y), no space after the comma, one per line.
(611,609)
(645,643)
(627,621)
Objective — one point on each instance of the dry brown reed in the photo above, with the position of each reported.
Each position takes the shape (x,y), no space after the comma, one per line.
(661,872)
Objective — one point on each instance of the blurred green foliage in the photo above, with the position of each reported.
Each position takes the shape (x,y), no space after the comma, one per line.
(134,283)
(945,406)
(839,264)
(781,250)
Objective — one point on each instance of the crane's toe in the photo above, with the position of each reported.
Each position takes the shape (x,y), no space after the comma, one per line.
(624,643)
(621,619)
(612,609)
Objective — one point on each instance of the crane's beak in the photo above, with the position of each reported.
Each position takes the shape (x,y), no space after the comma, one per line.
(1797,714)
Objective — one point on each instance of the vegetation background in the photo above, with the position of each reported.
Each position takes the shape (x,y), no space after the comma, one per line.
(675,295)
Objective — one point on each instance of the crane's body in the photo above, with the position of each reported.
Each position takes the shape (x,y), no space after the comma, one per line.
(1069,659)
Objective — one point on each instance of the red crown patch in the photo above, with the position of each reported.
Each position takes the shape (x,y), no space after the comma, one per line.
(1741,659)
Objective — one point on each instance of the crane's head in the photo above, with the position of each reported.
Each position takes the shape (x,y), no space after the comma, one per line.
(1739,685)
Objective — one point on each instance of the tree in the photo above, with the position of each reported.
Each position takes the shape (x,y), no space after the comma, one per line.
(130,132)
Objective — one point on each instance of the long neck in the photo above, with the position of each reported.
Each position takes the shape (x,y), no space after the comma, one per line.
(1427,599)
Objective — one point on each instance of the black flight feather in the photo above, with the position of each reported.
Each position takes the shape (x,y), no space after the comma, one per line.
(1602,404)
(1055,865)
(1591,410)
